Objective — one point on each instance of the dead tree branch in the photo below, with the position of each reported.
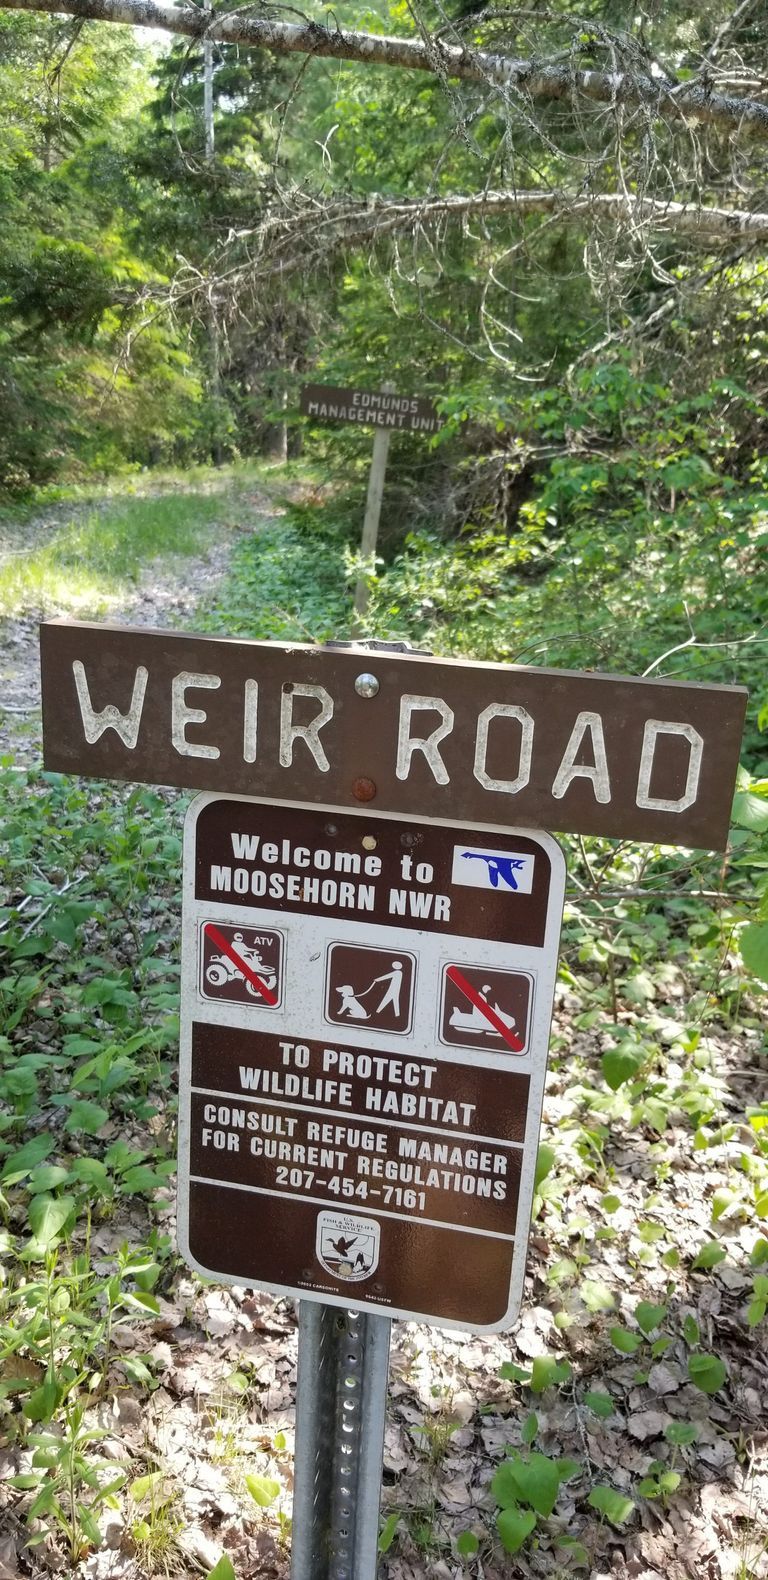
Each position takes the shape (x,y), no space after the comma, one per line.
(685,103)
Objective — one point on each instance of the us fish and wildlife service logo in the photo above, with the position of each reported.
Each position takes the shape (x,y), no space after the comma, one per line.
(506,871)
(347,1247)
(370,987)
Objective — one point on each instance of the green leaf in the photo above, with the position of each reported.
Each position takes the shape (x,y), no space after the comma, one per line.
(575,1551)
(263,1490)
(624,1341)
(709,1256)
(691,1332)
(42,1401)
(85,1116)
(23,1161)
(750,811)
(648,1316)
(547,1373)
(222,1570)
(596,1295)
(650,1232)
(544,1163)
(707,1372)
(755,1312)
(681,1433)
(136,1370)
(721,1201)
(620,1066)
(47,1178)
(669,1481)
(529,1428)
(144,1485)
(89,1525)
(758,1256)
(467,1544)
(62,927)
(610,1203)
(514,1527)
(537,1481)
(649,1487)
(504,1486)
(600,1403)
(50,1217)
(611,1503)
(91,1171)
(387,1532)
(512,1373)
(753,943)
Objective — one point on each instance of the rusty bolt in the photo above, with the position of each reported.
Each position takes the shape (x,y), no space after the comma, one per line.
(364,789)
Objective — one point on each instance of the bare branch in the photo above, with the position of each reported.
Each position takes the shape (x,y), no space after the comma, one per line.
(683,102)
(345,222)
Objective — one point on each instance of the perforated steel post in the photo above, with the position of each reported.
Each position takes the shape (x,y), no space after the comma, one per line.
(341,1399)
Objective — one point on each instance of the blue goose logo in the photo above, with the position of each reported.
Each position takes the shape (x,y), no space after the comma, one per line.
(501,869)
(507,871)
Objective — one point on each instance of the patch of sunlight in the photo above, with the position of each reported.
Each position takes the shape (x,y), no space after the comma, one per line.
(89,562)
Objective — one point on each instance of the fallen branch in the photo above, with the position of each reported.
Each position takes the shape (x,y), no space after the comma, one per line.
(289,239)
(689,101)
(658,213)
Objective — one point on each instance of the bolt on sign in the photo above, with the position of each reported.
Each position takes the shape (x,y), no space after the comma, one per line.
(378,408)
(366,1003)
(495,744)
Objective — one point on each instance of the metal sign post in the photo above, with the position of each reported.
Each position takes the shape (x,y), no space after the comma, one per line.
(341,1400)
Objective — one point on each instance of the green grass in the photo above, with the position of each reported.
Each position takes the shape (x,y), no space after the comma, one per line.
(89,560)
(109,532)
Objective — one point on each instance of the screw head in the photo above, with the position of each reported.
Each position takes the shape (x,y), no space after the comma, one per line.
(364,789)
(366,685)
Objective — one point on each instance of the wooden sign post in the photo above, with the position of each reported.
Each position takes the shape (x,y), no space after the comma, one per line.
(389,413)
(372,906)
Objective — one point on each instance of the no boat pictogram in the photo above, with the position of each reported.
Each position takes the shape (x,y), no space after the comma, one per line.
(241,965)
(488,1009)
(365,986)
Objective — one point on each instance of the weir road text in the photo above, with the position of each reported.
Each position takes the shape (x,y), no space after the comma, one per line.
(588,753)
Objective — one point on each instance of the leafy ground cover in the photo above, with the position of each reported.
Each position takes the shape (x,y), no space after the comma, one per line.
(148,1415)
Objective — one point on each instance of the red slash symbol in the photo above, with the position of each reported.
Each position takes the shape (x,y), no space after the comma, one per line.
(222,943)
(510,1037)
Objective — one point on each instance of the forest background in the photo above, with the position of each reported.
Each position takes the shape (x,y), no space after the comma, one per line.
(579,280)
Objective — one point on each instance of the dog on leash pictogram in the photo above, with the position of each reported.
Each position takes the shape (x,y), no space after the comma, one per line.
(369,987)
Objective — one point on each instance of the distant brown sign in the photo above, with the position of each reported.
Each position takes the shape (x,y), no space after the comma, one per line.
(484,743)
(359,1120)
(407,413)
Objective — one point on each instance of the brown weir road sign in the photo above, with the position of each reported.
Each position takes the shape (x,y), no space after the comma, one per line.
(497,744)
(399,413)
